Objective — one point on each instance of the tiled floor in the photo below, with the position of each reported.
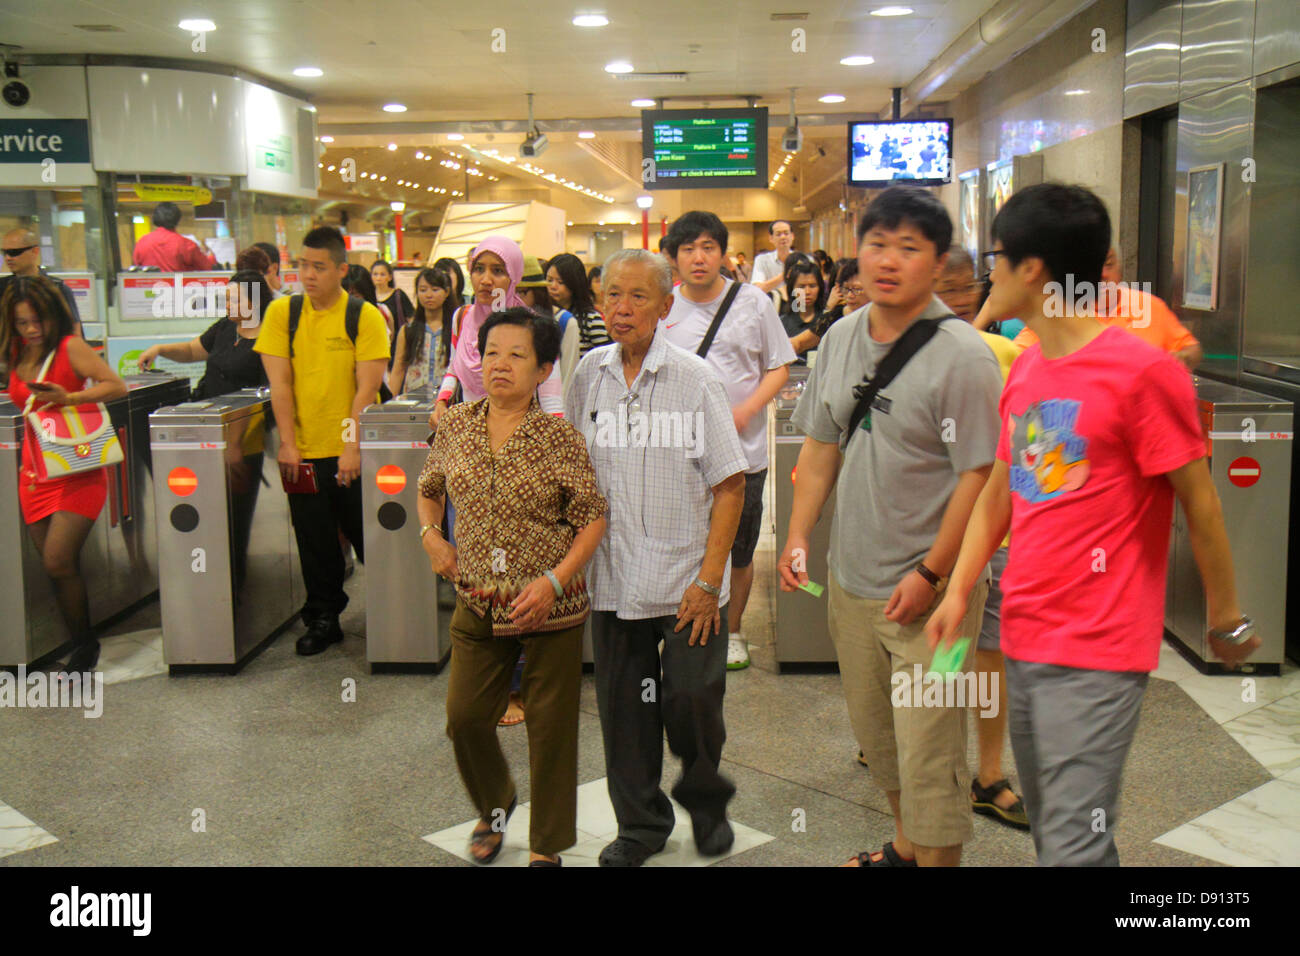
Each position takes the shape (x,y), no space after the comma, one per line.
(285,773)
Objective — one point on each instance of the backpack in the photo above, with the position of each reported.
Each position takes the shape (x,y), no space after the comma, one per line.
(351,323)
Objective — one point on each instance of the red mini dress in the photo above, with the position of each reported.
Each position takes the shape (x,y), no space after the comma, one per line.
(82,494)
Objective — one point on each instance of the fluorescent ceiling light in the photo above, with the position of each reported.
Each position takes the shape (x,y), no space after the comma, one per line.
(197,26)
(455,137)
(394,108)
(830,98)
(891,12)
(857,61)
(619,66)
(327,139)
(643,104)
(309,71)
(1076,92)
(591,20)
(586,134)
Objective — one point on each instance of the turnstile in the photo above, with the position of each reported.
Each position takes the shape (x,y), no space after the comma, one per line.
(119,561)
(230,577)
(802,632)
(408,608)
(1249,437)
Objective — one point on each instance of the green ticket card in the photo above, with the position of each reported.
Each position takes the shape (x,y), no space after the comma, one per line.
(948,661)
(813,588)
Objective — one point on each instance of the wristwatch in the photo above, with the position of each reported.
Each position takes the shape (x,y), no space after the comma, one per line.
(931,578)
(707,588)
(1240,634)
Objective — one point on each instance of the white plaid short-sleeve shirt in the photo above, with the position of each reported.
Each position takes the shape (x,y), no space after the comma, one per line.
(658,448)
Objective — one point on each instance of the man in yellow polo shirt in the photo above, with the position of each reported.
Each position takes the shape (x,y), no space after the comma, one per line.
(322,377)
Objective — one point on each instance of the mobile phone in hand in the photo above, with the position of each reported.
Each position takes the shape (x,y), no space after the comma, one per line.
(42,386)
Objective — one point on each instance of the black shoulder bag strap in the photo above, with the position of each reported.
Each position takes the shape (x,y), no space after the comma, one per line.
(727,299)
(908,344)
(295,314)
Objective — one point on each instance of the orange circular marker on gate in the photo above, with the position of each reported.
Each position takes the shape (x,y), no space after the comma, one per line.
(390,479)
(182,482)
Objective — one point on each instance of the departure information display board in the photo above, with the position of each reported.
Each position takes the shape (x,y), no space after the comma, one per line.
(704,149)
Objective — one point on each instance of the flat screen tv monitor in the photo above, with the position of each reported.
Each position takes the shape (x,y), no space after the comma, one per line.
(704,149)
(900,152)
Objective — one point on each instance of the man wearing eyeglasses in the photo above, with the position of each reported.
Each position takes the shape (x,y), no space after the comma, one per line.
(22,252)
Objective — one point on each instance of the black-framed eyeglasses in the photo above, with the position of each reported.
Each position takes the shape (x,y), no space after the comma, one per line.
(992,257)
(15,253)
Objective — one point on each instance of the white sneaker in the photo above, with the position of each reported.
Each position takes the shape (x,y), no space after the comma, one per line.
(737,653)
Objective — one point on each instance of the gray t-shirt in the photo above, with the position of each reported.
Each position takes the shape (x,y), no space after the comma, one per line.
(937,419)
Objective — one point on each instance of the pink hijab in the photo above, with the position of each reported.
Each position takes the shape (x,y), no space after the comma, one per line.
(467,364)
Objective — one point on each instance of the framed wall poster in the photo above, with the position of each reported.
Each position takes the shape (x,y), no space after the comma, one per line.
(1204,223)
(970,213)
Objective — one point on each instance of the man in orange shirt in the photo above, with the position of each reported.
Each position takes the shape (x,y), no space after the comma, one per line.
(1139,312)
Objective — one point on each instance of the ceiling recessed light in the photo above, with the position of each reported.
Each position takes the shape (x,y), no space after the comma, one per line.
(392,147)
(327,139)
(586,134)
(643,104)
(830,98)
(619,66)
(419,154)
(591,20)
(329,169)
(455,137)
(569,223)
(1076,92)
(394,108)
(309,71)
(383,179)
(891,12)
(197,26)
(857,61)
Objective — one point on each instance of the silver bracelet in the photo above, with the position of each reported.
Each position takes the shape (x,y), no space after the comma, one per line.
(555,583)
(707,588)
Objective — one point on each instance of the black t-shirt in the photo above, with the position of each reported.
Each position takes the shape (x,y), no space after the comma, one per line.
(401,313)
(793,324)
(232,363)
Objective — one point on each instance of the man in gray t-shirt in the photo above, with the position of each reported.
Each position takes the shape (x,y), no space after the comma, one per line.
(906,481)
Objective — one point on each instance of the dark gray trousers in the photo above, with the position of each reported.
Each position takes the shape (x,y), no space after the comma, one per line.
(641,695)
(1071,730)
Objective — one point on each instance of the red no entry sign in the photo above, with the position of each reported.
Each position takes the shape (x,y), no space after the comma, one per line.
(390,479)
(1243,472)
(182,482)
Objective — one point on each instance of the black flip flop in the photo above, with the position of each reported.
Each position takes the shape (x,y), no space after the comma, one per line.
(889,857)
(480,839)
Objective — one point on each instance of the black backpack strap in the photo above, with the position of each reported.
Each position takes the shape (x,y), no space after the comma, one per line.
(908,344)
(295,315)
(729,298)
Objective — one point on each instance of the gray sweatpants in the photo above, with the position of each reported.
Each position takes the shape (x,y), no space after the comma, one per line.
(641,696)
(1071,730)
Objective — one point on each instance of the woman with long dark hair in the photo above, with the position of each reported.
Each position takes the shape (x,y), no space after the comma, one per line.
(397,302)
(423,346)
(48,363)
(447,264)
(570,289)
(227,345)
(805,292)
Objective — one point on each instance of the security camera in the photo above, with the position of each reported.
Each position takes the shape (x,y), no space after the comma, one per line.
(792,139)
(534,145)
(16,92)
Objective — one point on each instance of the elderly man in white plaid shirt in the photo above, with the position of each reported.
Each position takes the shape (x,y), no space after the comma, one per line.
(663,443)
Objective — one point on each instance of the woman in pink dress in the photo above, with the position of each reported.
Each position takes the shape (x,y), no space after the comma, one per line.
(35,322)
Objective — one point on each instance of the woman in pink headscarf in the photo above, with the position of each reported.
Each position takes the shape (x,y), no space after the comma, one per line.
(496,266)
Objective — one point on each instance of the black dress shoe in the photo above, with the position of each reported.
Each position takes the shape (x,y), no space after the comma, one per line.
(321,633)
(716,841)
(625,852)
(84,658)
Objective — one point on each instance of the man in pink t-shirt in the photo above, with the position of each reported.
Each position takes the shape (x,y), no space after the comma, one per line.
(1099,434)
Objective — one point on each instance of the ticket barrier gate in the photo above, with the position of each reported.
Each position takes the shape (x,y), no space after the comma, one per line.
(230,578)
(408,609)
(1249,439)
(803,639)
(119,561)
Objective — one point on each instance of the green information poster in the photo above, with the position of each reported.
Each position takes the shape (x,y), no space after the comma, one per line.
(275,153)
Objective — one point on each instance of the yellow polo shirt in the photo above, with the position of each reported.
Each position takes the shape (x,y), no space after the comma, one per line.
(324,367)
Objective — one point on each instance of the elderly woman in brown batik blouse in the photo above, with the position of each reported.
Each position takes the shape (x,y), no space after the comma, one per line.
(528,519)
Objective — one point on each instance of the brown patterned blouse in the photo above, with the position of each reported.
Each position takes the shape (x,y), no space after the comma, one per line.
(517,512)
